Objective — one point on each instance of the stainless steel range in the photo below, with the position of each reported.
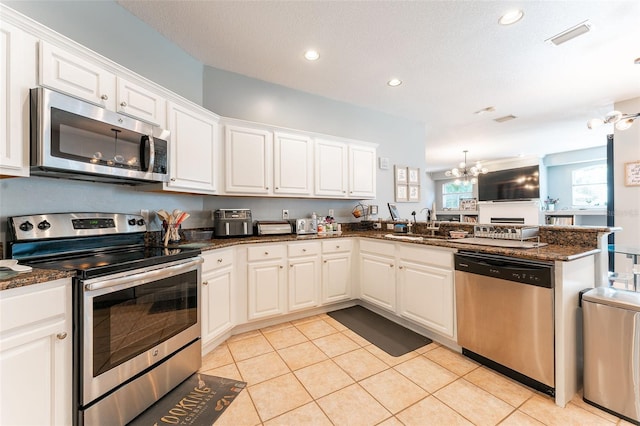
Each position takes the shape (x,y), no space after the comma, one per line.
(136,316)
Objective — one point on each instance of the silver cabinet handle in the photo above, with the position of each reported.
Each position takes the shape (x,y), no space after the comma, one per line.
(104,97)
(123,104)
(62,336)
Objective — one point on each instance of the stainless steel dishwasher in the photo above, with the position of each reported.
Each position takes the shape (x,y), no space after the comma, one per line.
(504,311)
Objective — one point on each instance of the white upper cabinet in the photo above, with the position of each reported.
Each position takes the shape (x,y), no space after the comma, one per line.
(331,169)
(17,76)
(292,164)
(248,153)
(140,102)
(362,171)
(68,73)
(193,148)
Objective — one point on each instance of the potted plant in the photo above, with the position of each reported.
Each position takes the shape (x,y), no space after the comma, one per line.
(550,203)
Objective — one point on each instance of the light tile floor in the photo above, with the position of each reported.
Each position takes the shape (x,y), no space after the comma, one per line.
(314,371)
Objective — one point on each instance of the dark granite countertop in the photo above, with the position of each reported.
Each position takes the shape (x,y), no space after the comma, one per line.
(563,245)
(10,279)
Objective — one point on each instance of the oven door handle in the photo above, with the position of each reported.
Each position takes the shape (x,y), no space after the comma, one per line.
(134,279)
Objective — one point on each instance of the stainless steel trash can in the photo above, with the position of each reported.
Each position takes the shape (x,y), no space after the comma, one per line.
(612,351)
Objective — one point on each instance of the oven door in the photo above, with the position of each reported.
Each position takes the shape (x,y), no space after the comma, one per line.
(132,321)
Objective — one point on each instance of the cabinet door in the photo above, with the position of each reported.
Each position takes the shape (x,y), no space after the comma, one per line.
(35,355)
(141,103)
(217,303)
(292,164)
(266,283)
(330,169)
(193,148)
(336,277)
(68,73)
(427,296)
(362,172)
(377,280)
(17,76)
(303,282)
(248,154)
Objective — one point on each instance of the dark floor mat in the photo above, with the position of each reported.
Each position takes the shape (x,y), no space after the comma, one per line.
(392,338)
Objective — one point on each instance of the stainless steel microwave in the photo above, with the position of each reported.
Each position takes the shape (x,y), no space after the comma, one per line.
(74,139)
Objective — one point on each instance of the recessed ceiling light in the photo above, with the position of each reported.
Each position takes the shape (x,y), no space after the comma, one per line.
(511,17)
(394,82)
(311,55)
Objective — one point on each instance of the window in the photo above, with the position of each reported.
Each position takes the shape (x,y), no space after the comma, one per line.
(452,193)
(589,186)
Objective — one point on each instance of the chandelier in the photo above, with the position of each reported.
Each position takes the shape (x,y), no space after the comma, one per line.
(620,120)
(464,174)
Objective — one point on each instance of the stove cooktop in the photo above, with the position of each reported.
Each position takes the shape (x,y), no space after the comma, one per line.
(91,265)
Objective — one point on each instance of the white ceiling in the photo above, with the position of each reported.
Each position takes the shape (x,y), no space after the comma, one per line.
(452,56)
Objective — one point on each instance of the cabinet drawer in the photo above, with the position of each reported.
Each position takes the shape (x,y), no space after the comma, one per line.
(337,246)
(377,247)
(303,249)
(28,305)
(428,256)
(216,259)
(266,252)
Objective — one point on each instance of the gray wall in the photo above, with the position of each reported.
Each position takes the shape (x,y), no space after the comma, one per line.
(400,140)
(111,31)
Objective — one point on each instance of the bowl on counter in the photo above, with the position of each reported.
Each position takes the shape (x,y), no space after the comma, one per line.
(458,234)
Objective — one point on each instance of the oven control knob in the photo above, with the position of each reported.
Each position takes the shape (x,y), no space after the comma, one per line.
(132,222)
(26,226)
(140,222)
(44,225)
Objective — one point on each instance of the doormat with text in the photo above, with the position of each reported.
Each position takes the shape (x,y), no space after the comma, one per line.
(197,401)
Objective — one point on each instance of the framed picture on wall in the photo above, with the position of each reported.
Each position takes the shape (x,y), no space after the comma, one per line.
(401,174)
(401,192)
(414,193)
(632,173)
(413,175)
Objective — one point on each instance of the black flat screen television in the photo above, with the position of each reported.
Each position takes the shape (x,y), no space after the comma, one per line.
(522,183)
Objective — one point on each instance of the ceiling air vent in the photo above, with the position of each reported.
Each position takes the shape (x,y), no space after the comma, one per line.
(505,118)
(571,33)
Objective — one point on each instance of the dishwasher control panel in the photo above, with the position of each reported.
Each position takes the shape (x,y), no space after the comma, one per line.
(506,268)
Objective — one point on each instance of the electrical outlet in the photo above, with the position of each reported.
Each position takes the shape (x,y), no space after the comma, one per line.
(285,214)
(389,226)
(331,212)
(377,225)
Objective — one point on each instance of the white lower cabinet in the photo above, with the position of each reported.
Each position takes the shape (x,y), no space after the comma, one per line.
(425,288)
(35,354)
(266,281)
(218,299)
(378,273)
(303,275)
(336,270)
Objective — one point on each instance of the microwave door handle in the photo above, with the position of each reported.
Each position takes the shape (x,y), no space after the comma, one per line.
(147,153)
(152,152)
